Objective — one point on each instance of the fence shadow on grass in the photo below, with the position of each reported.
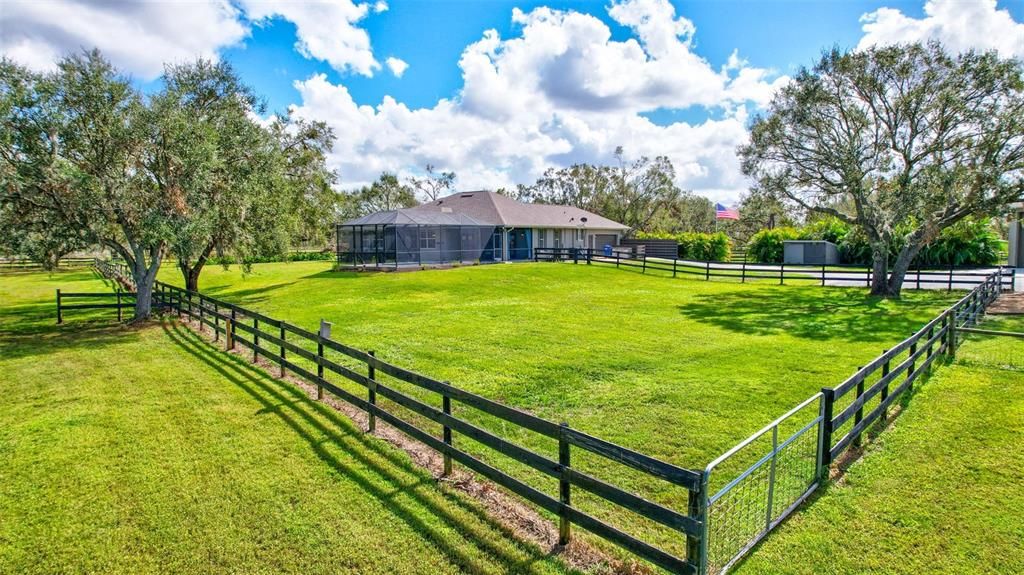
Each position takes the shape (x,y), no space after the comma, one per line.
(31,330)
(824,313)
(306,418)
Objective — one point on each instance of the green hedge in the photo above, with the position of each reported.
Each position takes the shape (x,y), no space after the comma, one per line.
(695,245)
(766,245)
(970,242)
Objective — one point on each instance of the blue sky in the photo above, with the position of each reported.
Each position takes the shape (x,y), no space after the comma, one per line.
(430,36)
(498,91)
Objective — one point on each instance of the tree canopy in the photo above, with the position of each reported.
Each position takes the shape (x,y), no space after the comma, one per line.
(900,142)
(86,159)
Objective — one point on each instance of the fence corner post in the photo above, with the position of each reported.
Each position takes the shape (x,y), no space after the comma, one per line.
(564,495)
(697,508)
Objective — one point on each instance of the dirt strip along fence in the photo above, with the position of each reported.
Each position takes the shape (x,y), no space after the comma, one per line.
(841,275)
(287,345)
(754,486)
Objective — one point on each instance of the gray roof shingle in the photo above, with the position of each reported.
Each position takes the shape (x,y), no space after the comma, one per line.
(501,210)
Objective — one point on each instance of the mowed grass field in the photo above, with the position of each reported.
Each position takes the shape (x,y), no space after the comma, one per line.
(940,491)
(678,369)
(147,450)
(681,369)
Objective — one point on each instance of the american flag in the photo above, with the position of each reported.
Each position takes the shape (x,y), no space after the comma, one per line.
(724,213)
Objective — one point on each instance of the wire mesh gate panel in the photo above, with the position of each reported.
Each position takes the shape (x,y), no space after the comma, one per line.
(763,479)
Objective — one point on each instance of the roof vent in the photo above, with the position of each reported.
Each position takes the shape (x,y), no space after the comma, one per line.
(466,196)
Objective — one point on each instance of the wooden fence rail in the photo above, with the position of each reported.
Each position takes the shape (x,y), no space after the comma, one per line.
(255,331)
(121,299)
(27,264)
(850,275)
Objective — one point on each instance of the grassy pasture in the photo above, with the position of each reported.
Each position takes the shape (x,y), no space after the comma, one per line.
(147,450)
(679,369)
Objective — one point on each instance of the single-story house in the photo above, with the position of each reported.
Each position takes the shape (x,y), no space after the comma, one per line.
(469,227)
(1017,235)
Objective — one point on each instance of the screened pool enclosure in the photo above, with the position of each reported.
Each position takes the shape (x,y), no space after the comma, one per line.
(414,237)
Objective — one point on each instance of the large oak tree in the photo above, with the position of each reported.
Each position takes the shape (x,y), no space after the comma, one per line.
(902,139)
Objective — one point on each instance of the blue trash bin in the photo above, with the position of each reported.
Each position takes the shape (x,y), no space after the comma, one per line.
(608,250)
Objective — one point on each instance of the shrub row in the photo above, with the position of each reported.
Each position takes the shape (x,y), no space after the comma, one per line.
(695,245)
(969,242)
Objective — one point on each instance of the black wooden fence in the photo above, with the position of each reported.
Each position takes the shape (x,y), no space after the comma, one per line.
(27,264)
(278,342)
(121,300)
(845,413)
(882,382)
(840,275)
(743,512)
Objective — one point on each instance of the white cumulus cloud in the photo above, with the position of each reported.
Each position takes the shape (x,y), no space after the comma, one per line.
(139,37)
(397,66)
(326,30)
(959,24)
(559,91)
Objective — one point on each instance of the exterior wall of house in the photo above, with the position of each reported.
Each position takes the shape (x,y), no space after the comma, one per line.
(574,238)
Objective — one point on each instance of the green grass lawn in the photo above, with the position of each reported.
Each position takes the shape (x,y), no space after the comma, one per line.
(941,491)
(678,369)
(147,450)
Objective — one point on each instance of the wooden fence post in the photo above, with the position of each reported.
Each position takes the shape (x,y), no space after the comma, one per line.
(446,407)
(119,304)
(281,349)
(564,494)
(885,388)
(694,545)
(707,270)
(255,339)
(859,415)
(951,319)
(949,287)
(828,398)
(867,280)
(743,276)
(918,275)
(674,262)
(216,322)
(822,275)
(324,333)
(60,317)
(910,370)
(643,270)
(372,393)
(229,331)
(782,274)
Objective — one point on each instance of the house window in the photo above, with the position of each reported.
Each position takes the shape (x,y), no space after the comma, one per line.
(428,238)
(558,238)
(579,236)
(542,238)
